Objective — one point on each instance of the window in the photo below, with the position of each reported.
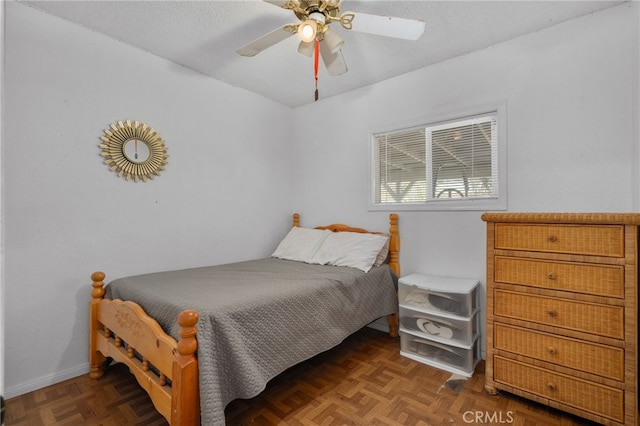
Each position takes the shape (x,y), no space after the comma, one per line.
(441,165)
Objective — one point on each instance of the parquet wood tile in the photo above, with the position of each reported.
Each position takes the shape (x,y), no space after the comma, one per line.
(362,382)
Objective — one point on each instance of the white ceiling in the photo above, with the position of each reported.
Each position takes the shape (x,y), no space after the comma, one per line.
(204,36)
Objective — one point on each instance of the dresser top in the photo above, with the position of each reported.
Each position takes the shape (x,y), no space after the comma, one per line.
(574,218)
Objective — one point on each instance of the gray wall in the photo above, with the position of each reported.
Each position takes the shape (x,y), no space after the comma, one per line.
(572,135)
(225,194)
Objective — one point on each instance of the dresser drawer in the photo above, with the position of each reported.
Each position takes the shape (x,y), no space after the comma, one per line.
(604,280)
(460,359)
(597,359)
(603,240)
(582,394)
(448,329)
(457,296)
(580,316)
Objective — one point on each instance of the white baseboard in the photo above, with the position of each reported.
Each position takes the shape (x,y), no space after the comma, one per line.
(44,381)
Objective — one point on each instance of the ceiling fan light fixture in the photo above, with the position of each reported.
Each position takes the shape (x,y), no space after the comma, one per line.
(308,30)
(319,40)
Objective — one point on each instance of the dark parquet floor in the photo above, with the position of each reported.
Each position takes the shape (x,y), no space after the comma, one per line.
(364,381)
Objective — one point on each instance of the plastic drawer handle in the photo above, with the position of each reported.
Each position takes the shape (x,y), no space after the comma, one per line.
(552,238)
(552,313)
(552,350)
(552,276)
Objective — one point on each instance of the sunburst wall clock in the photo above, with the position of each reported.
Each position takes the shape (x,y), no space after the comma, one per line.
(133,150)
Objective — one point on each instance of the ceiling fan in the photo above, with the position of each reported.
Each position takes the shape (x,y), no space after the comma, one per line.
(315,32)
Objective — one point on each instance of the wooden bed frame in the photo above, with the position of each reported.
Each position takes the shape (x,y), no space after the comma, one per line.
(168,370)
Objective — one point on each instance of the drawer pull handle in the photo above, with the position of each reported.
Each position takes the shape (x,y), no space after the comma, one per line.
(552,313)
(552,276)
(552,238)
(551,386)
(552,350)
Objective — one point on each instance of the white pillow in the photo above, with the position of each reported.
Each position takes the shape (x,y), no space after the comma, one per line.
(350,249)
(301,244)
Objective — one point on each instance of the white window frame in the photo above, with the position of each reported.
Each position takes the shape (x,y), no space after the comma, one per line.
(498,202)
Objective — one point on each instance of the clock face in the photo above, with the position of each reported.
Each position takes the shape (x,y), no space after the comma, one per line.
(136,150)
(133,151)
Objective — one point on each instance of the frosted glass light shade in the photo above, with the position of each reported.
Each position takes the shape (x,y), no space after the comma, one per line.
(307,30)
(333,40)
(306,48)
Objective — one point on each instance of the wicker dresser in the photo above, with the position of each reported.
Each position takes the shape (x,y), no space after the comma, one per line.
(562,311)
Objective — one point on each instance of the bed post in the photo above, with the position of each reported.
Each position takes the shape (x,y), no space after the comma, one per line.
(96,358)
(185,404)
(394,244)
(394,264)
(296,220)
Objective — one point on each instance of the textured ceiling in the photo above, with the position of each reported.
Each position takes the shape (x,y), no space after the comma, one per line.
(204,36)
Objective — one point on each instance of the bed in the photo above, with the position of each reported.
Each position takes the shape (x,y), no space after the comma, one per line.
(239,325)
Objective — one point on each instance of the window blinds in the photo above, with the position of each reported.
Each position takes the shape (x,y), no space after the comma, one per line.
(453,160)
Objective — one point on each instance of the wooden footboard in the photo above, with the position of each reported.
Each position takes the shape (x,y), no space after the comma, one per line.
(166,369)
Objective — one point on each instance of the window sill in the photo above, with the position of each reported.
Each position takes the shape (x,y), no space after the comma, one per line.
(444,205)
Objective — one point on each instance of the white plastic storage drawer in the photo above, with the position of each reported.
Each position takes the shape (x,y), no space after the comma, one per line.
(440,355)
(449,329)
(458,296)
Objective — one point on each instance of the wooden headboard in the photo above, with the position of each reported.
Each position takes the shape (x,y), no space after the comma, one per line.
(394,237)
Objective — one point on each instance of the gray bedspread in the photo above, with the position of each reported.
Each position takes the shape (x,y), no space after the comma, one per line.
(260,317)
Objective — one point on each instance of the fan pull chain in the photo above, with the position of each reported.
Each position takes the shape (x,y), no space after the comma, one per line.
(316,54)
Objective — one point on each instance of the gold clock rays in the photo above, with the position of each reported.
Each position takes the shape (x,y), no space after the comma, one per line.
(133,150)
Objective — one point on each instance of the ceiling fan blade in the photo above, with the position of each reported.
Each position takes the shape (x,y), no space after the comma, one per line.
(265,41)
(408,29)
(334,62)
